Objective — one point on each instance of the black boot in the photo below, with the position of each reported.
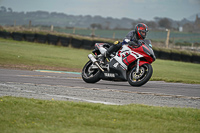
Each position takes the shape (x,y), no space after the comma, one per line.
(112,49)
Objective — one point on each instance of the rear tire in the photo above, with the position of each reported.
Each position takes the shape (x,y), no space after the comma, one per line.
(90,75)
(145,73)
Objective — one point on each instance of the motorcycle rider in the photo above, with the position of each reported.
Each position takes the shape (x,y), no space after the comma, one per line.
(132,38)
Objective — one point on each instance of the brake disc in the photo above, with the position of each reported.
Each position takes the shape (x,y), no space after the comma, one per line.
(139,74)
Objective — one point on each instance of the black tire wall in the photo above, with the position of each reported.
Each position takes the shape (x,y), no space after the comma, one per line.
(89,44)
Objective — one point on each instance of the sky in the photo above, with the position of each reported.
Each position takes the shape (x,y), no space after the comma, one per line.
(133,9)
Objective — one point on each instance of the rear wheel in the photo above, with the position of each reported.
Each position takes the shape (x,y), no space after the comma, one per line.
(142,77)
(90,75)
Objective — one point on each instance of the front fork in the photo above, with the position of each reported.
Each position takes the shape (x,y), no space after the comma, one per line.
(137,66)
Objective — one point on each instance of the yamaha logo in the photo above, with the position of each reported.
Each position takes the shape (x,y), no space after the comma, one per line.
(109,75)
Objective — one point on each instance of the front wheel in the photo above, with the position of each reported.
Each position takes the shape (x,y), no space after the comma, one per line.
(90,75)
(142,77)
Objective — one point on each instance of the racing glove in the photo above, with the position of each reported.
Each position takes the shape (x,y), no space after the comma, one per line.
(133,44)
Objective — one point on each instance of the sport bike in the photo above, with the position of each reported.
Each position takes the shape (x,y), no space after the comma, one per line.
(127,64)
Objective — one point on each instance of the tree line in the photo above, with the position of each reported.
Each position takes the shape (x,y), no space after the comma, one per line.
(9,17)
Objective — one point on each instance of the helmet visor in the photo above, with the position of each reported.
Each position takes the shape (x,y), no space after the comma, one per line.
(143,33)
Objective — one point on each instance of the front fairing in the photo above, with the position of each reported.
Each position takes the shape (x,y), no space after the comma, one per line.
(149,51)
(146,52)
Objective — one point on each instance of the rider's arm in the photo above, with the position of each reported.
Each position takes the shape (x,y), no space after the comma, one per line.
(128,38)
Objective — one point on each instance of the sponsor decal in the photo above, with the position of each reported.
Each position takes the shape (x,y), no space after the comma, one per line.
(116,64)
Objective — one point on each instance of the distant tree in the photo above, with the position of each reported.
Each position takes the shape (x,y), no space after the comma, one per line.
(10,10)
(133,24)
(152,24)
(41,14)
(97,26)
(165,23)
(55,14)
(107,25)
(3,9)
(93,25)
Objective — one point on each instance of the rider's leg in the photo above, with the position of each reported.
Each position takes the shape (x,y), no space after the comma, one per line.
(113,48)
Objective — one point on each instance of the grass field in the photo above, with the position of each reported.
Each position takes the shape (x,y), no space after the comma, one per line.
(173,71)
(32,116)
(14,53)
(27,55)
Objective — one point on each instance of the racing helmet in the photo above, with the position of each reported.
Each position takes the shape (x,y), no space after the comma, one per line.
(141,30)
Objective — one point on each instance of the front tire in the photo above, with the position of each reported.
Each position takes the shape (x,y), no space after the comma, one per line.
(90,75)
(139,79)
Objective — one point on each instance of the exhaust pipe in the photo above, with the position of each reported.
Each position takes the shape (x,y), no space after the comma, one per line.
(91,57)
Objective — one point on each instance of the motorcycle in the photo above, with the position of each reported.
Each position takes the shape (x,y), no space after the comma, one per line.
(127,64)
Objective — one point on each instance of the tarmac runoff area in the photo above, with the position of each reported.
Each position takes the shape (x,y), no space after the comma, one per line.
(40,86)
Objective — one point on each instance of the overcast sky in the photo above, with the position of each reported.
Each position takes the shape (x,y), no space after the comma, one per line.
(134,9)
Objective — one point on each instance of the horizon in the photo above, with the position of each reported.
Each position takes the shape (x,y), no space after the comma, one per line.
(132,9)
(194,15)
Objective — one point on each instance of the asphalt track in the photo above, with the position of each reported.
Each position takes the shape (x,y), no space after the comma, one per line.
(70,86)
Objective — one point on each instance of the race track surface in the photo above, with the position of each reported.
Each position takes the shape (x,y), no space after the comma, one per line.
(70,86)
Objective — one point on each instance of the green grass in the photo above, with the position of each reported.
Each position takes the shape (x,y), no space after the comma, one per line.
(42,56)
(35,54)
(31,115)
(173,71)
